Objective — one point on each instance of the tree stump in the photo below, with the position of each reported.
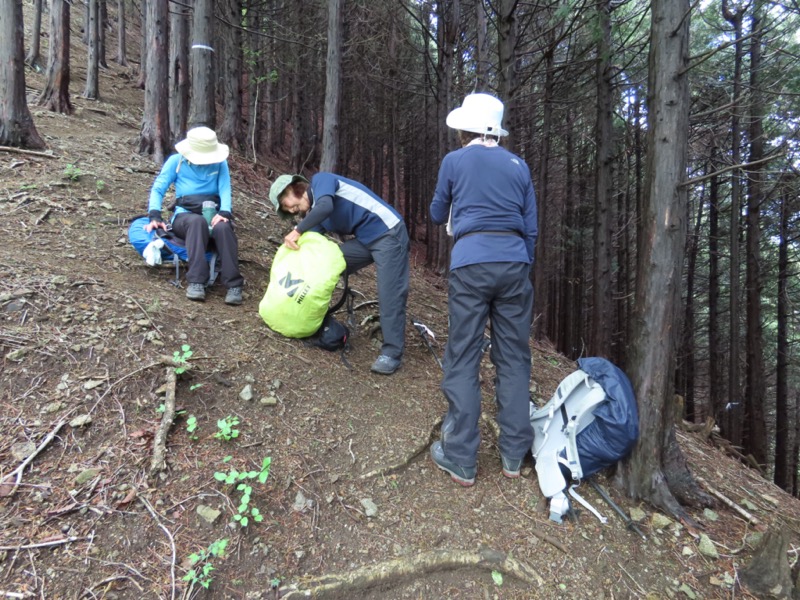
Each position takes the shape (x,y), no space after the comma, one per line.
(768,575)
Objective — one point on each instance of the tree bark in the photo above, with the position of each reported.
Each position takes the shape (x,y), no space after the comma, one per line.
(785,462)
(333,85)
(55,95)
(33,58)
(91,90)
(732,423)
(756,442)
(154,138)
(230,130)
(602,277)
(122,51)
(203,102)
(179,70)
(656,465)
(16,123)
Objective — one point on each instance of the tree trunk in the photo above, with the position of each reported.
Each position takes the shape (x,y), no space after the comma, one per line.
(755,386)
(230,131)
(732,424)
(122,52)
(333,85)
(783,459)
(143,45)
(101,31)
(55,95)
(716,375)
(33,59)
(508,78)
(684,379)
(16,123)
(155,138)
(602,309)
(92,90)
(481,48)
(179,70)
(203,102)
(655,471)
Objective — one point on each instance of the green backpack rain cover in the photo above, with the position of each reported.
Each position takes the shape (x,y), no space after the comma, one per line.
(301,283)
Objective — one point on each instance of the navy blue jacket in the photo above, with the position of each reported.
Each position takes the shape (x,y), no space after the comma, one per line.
(488,189)
(348,208)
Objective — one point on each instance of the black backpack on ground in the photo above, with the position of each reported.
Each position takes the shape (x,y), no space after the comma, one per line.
(332,335)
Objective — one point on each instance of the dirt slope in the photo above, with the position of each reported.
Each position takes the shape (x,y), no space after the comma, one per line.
(83,326)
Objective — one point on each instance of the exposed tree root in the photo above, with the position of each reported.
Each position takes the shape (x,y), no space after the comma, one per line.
(409,568)
(422,446)
(410,456)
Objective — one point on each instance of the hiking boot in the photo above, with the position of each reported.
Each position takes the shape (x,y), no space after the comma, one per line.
(385,365)
(196,291)
(464,476)
(511,467)
(234,296)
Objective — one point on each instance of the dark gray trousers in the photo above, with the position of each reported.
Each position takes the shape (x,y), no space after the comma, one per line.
(193,229)
(390,255)
(503,293)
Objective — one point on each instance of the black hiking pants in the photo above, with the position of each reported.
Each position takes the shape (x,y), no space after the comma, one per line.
(193,229)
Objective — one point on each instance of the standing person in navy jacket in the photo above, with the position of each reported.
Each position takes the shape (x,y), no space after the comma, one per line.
(339,205)
(485,195)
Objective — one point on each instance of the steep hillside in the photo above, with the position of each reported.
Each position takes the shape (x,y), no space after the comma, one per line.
(85,327)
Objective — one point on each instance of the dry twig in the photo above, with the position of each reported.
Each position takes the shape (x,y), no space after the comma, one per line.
(16,474)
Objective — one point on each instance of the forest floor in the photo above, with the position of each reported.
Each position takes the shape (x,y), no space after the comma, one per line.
(351,492)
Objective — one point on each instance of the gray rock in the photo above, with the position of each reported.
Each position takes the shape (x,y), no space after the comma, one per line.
(706,547)
(247,393)
(370,508)
(208,514)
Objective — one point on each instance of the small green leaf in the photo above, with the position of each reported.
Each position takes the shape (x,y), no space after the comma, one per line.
(497,576)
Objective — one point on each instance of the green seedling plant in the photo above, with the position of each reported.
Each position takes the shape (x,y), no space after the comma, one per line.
(234,477)
(226,429)
(200,573)
(99,185)
(181,357)
(191,427)
(72,172)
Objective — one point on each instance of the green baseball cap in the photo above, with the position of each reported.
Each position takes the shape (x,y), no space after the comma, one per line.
(279,186)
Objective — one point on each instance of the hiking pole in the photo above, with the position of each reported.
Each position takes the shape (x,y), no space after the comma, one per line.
(628,521)
(424,331)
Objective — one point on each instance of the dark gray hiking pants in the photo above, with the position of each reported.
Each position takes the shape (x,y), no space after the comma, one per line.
(193,229)
(503,293)
(390,255)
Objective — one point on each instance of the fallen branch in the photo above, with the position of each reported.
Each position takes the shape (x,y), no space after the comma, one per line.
(159,462)
(50,544)
(727,501)
(31,152)
(107,582)
(410,568)
(16,474)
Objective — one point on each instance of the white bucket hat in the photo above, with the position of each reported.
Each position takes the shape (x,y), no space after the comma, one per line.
(201,147)
(479,113)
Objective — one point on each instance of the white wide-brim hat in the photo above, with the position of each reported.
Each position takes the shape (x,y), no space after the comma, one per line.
(479,113)
(201,147)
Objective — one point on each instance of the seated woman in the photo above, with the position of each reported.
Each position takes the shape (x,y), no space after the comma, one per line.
(200,174)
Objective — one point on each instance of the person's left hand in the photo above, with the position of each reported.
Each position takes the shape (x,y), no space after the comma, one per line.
(218,218)
(291,239)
